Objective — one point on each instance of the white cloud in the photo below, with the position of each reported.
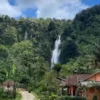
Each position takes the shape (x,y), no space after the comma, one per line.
(61,9)
(7,9)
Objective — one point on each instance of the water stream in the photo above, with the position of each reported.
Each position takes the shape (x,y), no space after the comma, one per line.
(26,34)
(56,52)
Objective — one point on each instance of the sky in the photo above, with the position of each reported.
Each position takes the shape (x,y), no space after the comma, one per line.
(60,9)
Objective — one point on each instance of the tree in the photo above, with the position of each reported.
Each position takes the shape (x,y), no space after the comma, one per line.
(50,84)
(10,36)
(69,50)
(4,52)
(51,26)
(57,68)
(96,54)
(24,51)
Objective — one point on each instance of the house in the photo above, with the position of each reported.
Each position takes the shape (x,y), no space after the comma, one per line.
(72,83)
(85,85)
(91,86)
(8,85)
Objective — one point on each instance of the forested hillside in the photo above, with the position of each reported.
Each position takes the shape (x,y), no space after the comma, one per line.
(80,39)
(26,47)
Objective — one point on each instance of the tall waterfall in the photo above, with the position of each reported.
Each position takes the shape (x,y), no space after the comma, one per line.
(56,52)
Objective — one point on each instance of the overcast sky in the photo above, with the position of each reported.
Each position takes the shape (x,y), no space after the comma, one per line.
(60,9)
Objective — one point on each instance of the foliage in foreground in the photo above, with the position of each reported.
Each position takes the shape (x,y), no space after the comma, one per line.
(56,97)
(72,98)
(5,97)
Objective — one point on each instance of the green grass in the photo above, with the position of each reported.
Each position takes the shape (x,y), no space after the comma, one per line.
(18,97)
(35,95)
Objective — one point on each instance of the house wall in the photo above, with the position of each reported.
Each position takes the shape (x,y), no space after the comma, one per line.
(89,93)
(95,77)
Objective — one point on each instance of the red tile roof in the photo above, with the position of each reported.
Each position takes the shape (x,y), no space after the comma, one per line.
(10,82)
(91,76)
(75,79)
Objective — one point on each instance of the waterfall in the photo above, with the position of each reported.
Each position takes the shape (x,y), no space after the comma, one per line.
(25,37)
(56,52)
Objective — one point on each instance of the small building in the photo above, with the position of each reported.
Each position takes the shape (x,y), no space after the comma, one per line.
(85,85)
(91,86)
(72,83)
(8,85)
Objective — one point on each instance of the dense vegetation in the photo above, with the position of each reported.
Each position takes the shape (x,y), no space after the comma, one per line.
(26,46)
(80,40)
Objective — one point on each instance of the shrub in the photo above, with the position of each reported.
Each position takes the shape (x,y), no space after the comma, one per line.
(7,95)
(1,90)
(94,97)
(72,98)
(54,97)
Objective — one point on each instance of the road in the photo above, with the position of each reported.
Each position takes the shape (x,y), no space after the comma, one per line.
(27,96)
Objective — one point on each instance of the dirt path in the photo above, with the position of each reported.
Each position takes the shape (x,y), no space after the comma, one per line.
(27,96)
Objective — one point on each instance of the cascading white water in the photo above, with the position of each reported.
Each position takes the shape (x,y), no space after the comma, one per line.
(25,37)
(56,52)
